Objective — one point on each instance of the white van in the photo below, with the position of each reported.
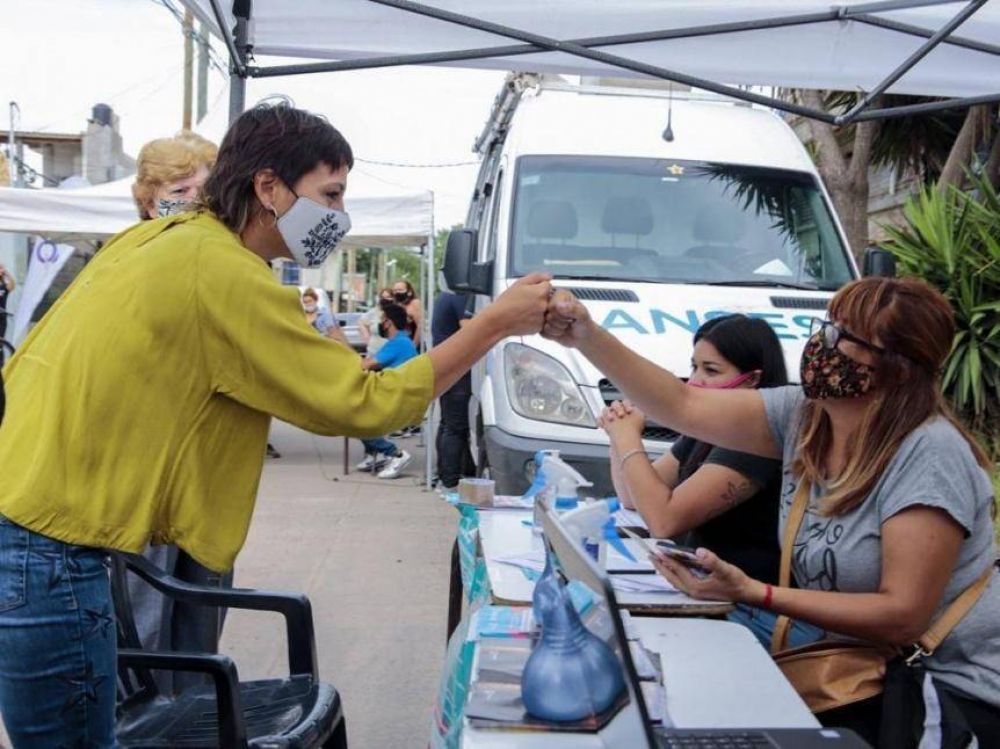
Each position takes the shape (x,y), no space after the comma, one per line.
(655,235)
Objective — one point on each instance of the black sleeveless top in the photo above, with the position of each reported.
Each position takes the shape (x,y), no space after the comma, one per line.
(746,535)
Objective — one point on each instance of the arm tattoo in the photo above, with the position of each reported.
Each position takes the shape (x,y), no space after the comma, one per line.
(736,492)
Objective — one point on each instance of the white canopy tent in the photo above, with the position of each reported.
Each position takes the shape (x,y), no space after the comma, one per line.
(939,48)
(379,217)
(933,48)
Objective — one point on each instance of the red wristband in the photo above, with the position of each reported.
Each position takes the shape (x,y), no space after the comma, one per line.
(768,593)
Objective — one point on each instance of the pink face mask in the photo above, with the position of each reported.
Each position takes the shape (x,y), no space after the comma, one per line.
(733,383)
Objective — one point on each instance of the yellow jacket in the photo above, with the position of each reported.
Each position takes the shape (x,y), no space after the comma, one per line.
(138,408)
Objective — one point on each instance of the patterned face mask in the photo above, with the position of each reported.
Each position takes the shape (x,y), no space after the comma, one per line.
(311,231)
(829,373)
(171,207)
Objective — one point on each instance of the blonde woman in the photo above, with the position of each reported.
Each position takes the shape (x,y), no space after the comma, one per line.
(170,173)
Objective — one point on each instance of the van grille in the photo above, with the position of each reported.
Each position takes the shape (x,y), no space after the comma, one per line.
(603,295)
(792,302)
(652,430)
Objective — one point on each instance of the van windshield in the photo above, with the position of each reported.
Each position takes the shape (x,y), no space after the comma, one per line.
(656,220)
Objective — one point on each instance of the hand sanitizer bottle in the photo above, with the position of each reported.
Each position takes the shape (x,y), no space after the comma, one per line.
(571,674)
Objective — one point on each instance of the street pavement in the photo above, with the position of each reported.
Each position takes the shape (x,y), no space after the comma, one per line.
(373,556)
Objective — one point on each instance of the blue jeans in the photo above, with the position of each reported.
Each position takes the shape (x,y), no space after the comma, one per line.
(380,445)
(58,643)
(761,623)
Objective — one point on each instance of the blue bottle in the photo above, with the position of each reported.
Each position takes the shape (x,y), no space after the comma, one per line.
(571,674)
(547,590)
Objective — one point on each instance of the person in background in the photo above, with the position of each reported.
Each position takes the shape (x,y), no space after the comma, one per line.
(202,372)
(897,495)
(709,496)
(170,173)
(454,457)
(7,285)
(324,323)
(371,321)
(404,295)
(398,350)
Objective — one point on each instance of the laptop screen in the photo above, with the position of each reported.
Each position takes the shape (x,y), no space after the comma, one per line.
(603,618)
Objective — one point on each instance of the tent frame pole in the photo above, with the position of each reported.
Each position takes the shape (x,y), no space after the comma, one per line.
(906,28)
(238,51)
(532,43)
(556,45)
(918,54)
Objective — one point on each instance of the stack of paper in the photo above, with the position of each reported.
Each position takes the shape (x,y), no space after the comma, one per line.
(642,584)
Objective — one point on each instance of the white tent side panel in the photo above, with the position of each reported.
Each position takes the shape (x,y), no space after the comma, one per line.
(101,211)
(844,55)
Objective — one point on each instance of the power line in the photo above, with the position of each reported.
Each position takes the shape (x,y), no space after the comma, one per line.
(214,60)
(29,173)
(158,79)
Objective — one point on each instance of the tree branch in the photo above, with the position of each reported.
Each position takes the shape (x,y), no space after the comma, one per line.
(962,149)
(993,162)
(831,157)
(864,141)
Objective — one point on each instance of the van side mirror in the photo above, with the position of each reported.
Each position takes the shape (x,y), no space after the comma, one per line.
(461,270)
(878,262)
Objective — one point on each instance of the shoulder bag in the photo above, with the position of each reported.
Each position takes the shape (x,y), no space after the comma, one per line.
(833,673)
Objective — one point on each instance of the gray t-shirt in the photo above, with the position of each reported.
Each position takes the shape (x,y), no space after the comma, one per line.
(934,467)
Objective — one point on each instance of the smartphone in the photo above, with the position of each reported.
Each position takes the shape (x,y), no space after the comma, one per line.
(682,554)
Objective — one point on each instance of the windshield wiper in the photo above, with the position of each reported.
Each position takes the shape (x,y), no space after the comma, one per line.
(766,284)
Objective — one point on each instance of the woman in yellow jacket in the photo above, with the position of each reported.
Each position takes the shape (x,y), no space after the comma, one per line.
(138,409)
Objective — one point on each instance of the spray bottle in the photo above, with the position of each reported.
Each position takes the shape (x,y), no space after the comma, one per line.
(539,483)
(561,482)
(594,526)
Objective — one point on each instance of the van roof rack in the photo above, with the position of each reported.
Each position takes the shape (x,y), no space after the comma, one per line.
(516,84)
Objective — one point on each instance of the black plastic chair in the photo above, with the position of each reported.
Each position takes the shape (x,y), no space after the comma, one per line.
(291,713)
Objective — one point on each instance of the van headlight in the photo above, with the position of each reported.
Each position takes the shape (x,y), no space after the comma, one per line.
(541,388)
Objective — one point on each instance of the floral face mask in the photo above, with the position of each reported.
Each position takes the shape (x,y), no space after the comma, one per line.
(830,373)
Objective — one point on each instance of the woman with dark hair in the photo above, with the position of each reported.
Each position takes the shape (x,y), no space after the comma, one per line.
(886,496)
(721,499)
(136,423)
(405,296)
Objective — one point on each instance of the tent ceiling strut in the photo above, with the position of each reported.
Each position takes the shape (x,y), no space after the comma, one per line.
(533,43)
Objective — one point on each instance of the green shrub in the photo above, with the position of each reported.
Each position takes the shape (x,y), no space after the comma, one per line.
(952,241)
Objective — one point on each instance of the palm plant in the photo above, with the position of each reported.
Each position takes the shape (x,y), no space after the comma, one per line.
(952,240)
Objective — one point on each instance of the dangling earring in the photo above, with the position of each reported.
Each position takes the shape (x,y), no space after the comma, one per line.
(274,212)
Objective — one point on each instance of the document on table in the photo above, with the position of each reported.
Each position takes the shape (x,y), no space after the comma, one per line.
(626,576)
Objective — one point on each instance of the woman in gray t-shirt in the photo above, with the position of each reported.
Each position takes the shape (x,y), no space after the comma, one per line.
(899,520)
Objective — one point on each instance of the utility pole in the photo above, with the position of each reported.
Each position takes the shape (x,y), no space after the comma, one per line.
(203,51)
(16,153)
(188,27)
(352,270)
(381,269)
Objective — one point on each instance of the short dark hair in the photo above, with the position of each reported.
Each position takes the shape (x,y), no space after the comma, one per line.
(748,343)
(287,140)
(397,316)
